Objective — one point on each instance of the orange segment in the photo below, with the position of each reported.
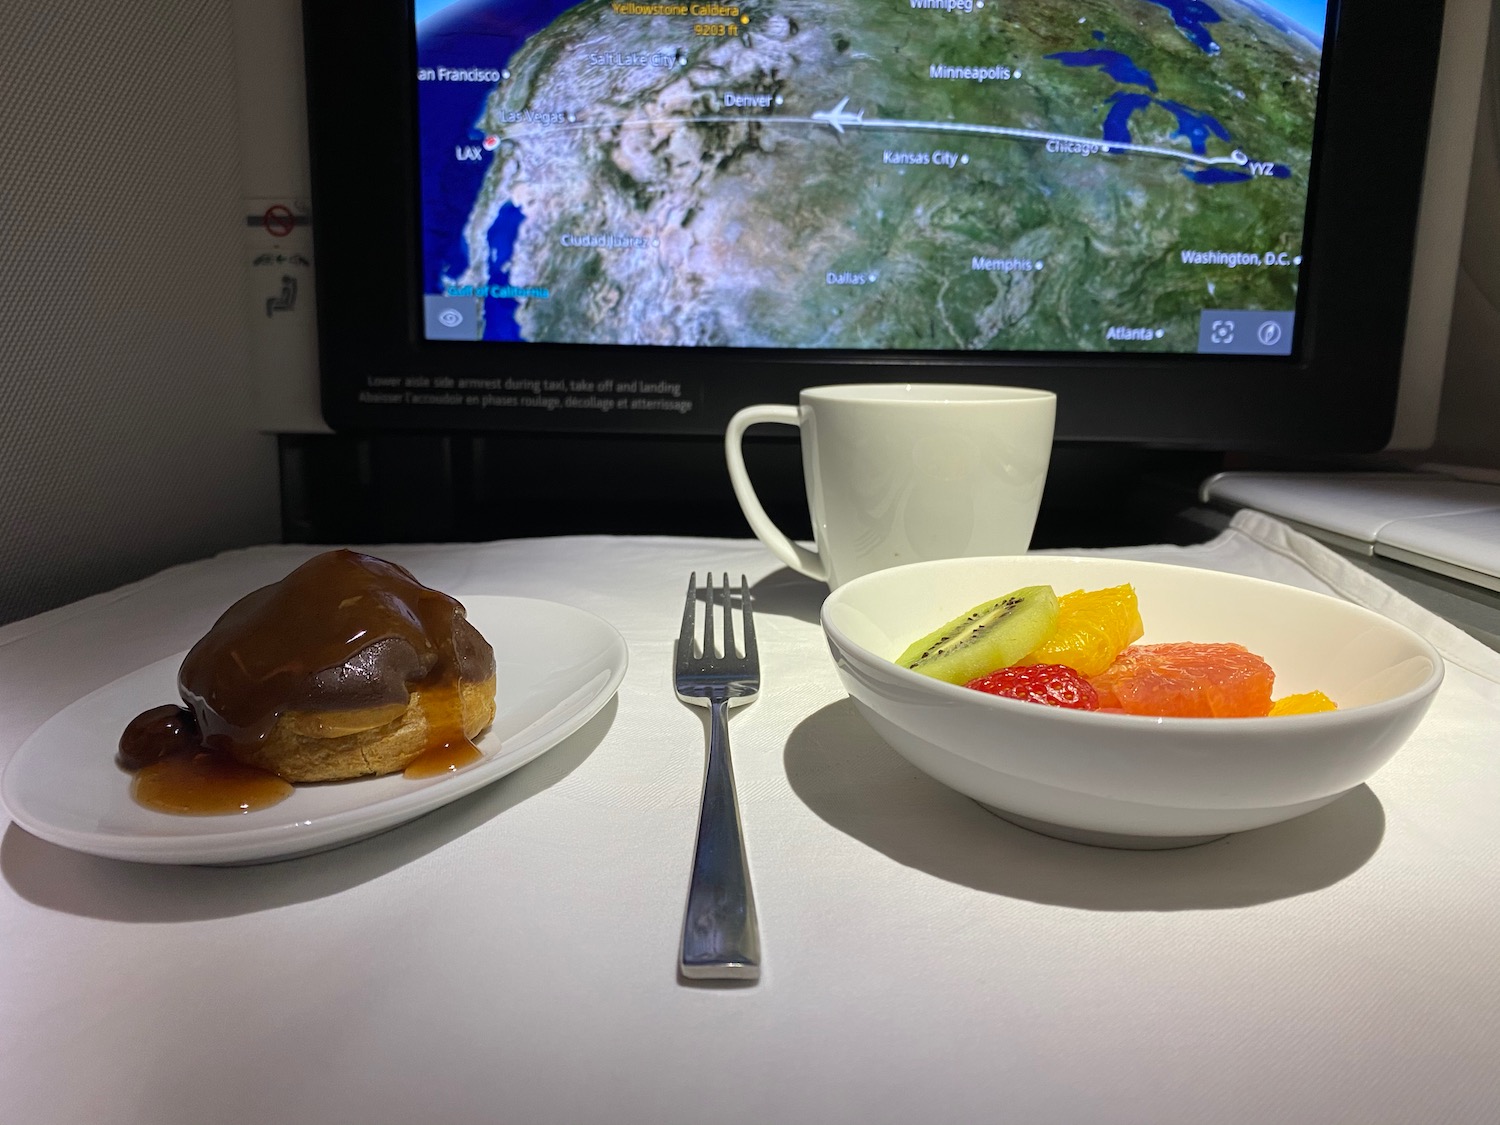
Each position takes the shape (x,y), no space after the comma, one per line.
(1187,679)
(1303,703)
(1093,627)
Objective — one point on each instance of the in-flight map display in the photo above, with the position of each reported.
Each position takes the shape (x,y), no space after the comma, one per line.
(954,175)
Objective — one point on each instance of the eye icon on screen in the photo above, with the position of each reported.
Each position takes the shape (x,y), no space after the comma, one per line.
(450,318)
(1222,332)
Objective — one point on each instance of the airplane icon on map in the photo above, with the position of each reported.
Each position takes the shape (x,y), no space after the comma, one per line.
(838,116)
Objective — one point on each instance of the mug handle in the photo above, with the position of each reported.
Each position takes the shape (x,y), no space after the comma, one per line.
(796,556)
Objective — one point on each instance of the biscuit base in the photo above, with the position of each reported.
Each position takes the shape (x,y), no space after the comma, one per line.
(371,743)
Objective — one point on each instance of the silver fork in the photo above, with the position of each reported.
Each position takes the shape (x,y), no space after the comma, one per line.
(720,939)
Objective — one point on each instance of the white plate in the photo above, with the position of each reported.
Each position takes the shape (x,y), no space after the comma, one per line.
(555,668)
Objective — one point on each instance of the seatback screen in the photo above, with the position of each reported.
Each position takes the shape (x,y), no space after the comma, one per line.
(945,175)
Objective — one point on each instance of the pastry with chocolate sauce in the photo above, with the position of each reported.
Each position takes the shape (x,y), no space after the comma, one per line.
(347,667)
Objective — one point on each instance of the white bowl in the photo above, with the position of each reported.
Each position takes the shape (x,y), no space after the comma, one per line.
(1131,780)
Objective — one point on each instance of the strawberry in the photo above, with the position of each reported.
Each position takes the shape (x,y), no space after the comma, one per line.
(1056,685)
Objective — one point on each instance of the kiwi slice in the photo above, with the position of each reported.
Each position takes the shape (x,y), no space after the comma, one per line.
(989,636)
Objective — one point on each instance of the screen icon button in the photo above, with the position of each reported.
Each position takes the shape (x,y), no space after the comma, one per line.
(452,318)
(1245,331)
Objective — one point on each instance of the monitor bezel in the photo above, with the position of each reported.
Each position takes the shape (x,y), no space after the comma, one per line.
(1337,394)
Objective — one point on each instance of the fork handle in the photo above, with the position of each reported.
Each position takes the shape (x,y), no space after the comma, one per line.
(720,938)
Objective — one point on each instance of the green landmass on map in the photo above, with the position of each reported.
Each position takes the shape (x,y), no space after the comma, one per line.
(743,220)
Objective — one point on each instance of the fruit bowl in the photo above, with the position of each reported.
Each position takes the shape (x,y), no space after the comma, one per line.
(1130,780)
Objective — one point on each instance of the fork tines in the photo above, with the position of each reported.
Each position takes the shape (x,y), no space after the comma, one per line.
(687,642)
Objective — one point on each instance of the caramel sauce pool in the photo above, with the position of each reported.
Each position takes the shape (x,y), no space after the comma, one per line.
(448,757)
(175,773)
(206,784)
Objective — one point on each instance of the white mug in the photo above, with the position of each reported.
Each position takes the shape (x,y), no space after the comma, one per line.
(905,472)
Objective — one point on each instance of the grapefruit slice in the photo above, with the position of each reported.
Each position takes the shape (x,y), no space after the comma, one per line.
(1187,679)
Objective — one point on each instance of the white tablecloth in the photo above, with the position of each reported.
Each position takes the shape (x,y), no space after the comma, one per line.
(511,957)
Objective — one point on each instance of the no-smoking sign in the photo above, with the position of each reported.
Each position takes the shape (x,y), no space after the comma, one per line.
(278,220)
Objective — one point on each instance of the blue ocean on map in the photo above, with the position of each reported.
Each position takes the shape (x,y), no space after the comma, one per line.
(484,33)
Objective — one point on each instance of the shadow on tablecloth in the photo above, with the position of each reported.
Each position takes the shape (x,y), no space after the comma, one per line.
(848,776)
(72,882)
(786,593)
